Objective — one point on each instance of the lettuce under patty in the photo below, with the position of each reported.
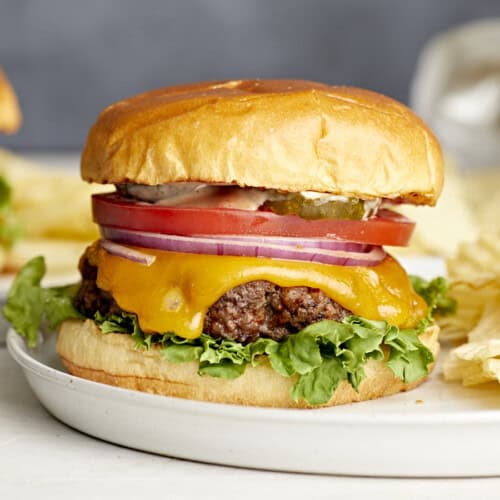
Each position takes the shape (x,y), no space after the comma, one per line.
(320,356)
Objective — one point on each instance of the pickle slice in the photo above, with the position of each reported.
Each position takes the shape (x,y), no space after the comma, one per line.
(352,208)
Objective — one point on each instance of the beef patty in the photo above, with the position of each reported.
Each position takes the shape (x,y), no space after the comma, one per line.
(244,313)
(263,309)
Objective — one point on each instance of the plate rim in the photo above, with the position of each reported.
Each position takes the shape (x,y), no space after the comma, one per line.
(19,350)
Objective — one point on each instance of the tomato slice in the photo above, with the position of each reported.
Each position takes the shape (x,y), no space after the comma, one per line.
(387,228)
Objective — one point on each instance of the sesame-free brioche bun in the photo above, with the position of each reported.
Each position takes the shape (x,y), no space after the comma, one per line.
(10,114)
(112,359)
(289,135)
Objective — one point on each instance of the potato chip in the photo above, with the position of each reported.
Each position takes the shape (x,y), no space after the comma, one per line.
(50,203)
(433,233)
(61,256)
(469,206)
(483,197)
(488,327)
(475,283)
(474,363)
(472,299)
(53,207)
(479,261)
(478,314)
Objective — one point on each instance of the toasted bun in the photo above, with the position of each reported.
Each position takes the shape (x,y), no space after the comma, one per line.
(10,114)
(112,359)
(280,134)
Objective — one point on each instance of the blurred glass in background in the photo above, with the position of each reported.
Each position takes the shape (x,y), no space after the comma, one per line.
(456,89)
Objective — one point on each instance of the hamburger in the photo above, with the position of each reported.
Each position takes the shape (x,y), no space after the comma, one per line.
(241,257)
(10,122)
(10,114)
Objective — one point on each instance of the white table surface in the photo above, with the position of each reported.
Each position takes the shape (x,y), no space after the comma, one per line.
(43,458)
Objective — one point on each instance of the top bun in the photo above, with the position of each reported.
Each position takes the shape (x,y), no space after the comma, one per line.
(10,114)
(289,135)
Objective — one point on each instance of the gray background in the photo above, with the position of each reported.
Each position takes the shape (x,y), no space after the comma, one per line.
(68,59)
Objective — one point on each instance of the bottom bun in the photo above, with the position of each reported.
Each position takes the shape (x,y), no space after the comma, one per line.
(112,359)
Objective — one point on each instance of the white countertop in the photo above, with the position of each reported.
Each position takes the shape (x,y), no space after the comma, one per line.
(43,458)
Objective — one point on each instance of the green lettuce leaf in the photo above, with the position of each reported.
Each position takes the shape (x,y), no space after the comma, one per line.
(30,308)
(5,193)
(10,227)
(435,293)
(318,386)
(223,369)
(409,358)
(124,323)
(320,356)
(115,323)
(178,353)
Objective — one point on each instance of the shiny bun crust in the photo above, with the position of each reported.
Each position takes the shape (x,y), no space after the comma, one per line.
(280,134)
(10,114)
(112,359)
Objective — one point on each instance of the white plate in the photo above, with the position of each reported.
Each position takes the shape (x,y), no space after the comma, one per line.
(437,429)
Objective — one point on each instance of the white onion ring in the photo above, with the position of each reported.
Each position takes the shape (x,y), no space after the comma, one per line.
(309,250)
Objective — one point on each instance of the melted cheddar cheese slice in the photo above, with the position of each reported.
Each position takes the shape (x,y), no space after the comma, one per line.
(174,293)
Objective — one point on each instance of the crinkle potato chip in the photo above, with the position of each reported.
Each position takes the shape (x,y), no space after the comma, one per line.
(477,261)
(61,256)
(475,272)
(53,207)
(469,206)
(472,298)
(433,232)
(477,361)
(475,282)
(483,197)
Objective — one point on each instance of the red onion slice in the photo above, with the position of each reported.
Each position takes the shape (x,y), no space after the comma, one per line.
(325,243)
(128,235)
(127,253)
(278,248)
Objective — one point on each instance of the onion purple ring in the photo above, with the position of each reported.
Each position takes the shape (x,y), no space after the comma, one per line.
(302,249)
